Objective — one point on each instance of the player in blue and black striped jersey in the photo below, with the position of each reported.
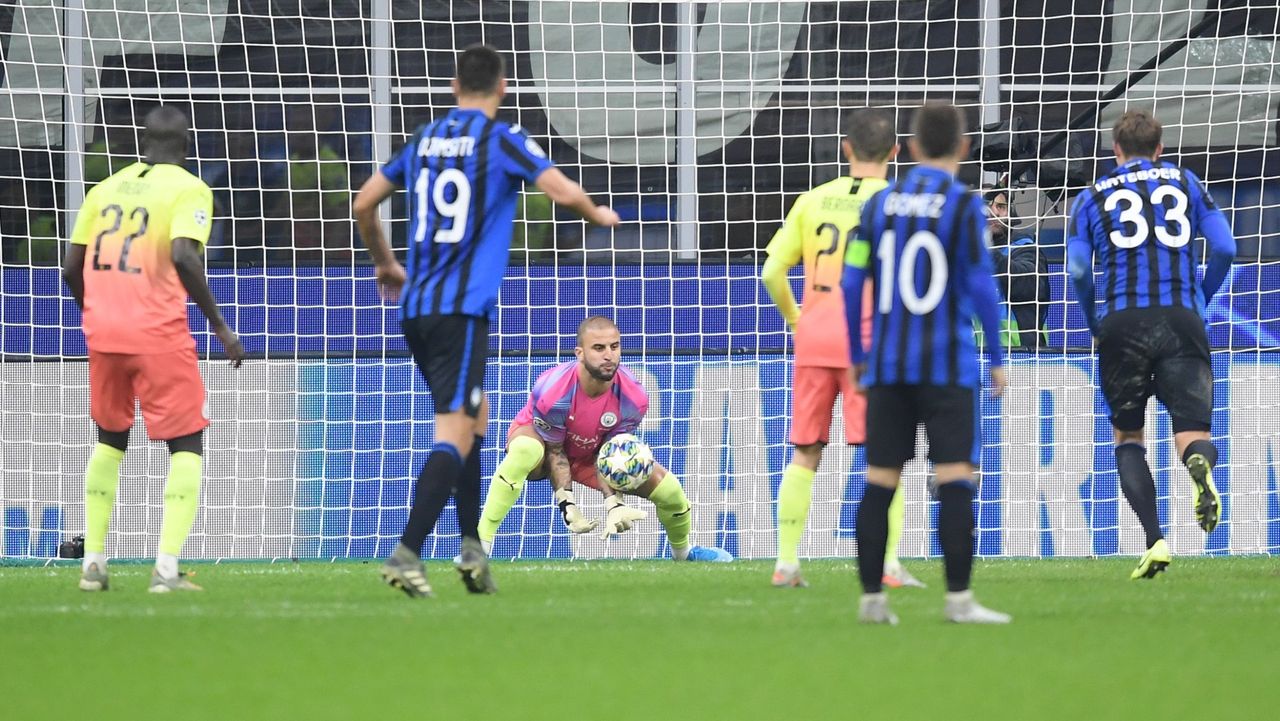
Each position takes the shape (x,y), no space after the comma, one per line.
(923,242)
(463,172)
(1137,221)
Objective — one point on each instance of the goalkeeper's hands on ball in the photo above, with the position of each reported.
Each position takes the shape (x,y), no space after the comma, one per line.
(572,515)
(621,517)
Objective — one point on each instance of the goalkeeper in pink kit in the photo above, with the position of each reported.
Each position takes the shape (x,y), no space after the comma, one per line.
(573,409)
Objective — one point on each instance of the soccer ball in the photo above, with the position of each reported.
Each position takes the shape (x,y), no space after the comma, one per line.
(624,462)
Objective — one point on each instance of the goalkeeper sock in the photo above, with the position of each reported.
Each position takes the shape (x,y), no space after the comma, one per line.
(873,529)
(1139,488)
(181,501)
(524,454)
(896,512)
(794,497)
(467,494)
(955,532)
(674,513)
(1204,448)
(101,477)
(436,481)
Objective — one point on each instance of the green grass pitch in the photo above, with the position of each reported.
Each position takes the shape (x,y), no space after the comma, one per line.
(642,640)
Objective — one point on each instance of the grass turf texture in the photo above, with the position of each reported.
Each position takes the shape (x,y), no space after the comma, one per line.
(642,640)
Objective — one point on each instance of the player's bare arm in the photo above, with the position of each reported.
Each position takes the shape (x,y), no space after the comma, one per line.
(558,472)
(389,272)
(564,191)
(999,381)
(558,467)
(190,267)
(73,272)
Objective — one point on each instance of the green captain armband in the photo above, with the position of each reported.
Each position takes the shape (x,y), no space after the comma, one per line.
(858,253)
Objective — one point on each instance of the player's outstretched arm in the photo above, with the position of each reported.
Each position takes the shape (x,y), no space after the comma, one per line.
(73,272)
(390,273)
(190,267)
(564,191)
(1222,251)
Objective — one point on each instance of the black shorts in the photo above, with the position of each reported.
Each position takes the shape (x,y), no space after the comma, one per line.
(1156,351)
(949,415)
(450,351)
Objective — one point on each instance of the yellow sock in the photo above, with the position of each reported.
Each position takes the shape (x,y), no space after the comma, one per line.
(181,501)
(794,497)
(896,513)
(523,456)
(673,510)
(101,477)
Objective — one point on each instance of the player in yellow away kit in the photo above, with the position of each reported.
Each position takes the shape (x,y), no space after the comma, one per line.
(816,230)
(136,253)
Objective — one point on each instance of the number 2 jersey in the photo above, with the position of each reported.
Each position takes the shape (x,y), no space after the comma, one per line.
(1137,221)
(134,301)
(816,231)
(463,174)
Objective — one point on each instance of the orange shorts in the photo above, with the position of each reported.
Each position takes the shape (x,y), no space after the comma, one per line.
(167,385)
(581,470)
(813,397)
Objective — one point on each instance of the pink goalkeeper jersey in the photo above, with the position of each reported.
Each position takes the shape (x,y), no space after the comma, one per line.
(561,412)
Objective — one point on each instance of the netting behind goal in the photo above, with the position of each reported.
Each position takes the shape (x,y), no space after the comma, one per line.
(700,123)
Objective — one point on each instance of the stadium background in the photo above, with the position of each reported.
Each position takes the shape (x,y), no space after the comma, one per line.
(699,123)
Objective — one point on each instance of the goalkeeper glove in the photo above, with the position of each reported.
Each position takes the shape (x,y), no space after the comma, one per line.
(621,517)
(572,515)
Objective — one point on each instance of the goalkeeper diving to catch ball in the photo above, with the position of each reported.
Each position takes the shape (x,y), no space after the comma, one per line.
(573,409)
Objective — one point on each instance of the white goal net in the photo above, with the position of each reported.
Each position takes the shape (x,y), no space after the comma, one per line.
(700,123)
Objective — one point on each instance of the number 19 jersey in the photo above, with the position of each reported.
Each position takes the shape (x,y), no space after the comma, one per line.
(817,229)
(134,301)
(1140,219)
(463,173)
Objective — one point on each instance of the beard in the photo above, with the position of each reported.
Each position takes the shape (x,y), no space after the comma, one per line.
(999,232)
(599,373)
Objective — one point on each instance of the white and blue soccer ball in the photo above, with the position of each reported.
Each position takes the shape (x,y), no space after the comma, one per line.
(624,462)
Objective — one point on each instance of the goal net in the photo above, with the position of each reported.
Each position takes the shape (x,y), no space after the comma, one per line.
(700,123)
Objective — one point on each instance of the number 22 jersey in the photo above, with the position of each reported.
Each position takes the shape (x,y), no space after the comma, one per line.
(134,301)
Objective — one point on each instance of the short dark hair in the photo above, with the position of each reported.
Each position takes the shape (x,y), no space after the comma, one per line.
(1138,133)
(165,132)
(871,133)
(592,323)
(480,67)
(938,129)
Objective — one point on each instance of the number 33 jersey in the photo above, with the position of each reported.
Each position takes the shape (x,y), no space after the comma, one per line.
(1139,219)
(134,301)
(463,173)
